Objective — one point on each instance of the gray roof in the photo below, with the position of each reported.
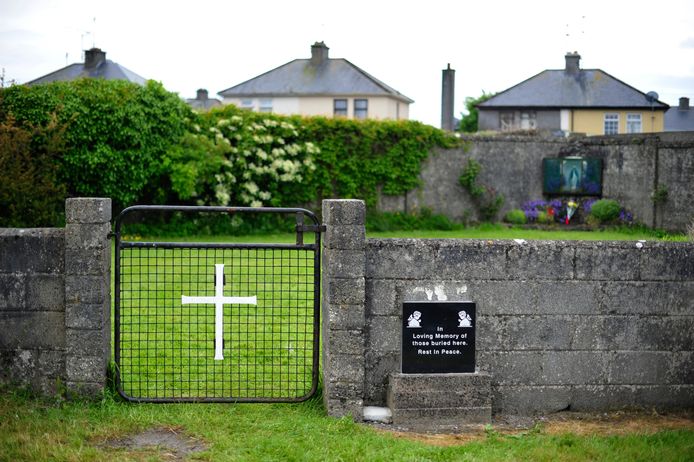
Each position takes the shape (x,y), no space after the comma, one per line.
(302,78)
(679,120)
(102,69)
(587,88)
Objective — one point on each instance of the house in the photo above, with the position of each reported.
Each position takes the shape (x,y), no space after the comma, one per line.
(320,86)
(572,99)
(202,101)
(680,118)
(95,66)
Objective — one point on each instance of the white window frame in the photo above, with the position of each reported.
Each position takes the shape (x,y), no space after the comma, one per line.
(528,120)
(265,105)
(634,123)
(507,121)
(611,118)
(247,103)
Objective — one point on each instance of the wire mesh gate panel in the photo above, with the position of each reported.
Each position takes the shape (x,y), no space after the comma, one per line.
(217,321)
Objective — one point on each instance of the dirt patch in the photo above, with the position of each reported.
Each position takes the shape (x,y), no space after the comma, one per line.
(583,424)
(167,443)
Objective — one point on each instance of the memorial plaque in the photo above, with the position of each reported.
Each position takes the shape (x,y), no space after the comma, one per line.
(438,337)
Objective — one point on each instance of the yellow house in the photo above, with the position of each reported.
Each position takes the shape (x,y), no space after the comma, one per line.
(573,100)
(319,86)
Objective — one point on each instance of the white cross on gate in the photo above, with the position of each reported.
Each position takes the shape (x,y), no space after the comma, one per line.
(219,300)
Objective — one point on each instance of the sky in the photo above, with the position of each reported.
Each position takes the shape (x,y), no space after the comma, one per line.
(491,44)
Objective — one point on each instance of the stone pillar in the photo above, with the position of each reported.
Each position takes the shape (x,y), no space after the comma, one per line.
(87,294)
(343,307)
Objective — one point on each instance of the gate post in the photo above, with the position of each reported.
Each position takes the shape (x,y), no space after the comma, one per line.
(343,314)
(87,294)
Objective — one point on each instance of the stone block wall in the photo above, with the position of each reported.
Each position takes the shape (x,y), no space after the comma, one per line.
(561,324)
(55,302)
(633,167)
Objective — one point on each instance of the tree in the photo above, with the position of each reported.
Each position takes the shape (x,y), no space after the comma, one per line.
(468,122)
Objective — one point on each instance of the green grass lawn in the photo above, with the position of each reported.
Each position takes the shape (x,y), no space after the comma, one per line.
(35,430)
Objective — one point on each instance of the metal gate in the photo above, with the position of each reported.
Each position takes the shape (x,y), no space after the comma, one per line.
(217,322)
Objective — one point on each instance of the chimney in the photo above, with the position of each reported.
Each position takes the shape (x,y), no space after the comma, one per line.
(319,53)
(202,94)
(684,104)
(447,98)
(572,60)
(94,57)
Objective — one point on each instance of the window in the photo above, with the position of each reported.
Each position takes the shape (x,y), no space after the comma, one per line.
(340,107)
(506,121)
(633,123)
(265,105)
(361,108)
(247,104)
(611,124)
(528,121)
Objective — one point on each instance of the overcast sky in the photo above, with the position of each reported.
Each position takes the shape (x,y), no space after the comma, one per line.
(492,44)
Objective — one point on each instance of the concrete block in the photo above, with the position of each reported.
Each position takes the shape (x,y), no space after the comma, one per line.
(344,391)
(383,334)
(347,342)
(81,289)
(83,343)
(85,369)
(568,298)
(32,330)
(341,316)
(45,292)
(380,297)
(439,401)
(682,371)
(649,298)
(603,261)
(491,333)
(345,291)
(673,261)
(504,297)
(639,367)
(347,237)
(530,399)
(591,398)
(513,367)
(51,363)
(35,250)
(344,212)
(669,333)
(378,367)
(345,368)
(546,332)
(87,236)
(85,316)
(86,210)
(541,260)
(469,260)
(346,264)
(573,368)
(17,365)
(400,259)
(344,408)
(665,397)
(88,261)
(410,391)
(12,292)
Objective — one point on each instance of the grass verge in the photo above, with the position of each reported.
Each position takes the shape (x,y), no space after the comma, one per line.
(36,430)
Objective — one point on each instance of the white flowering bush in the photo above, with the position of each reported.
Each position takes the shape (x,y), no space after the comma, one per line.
(248,159)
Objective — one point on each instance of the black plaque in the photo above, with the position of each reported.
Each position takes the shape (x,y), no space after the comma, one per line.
(438,337)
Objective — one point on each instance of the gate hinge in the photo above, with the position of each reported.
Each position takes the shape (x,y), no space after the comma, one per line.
(110,235)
